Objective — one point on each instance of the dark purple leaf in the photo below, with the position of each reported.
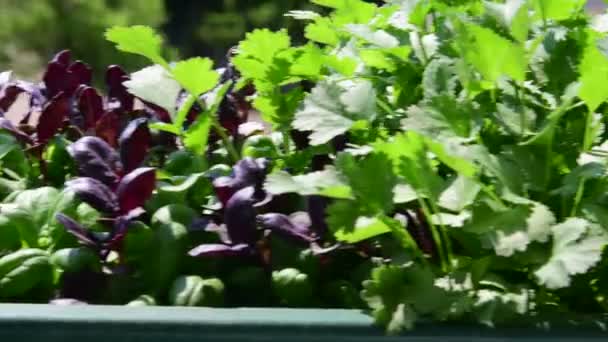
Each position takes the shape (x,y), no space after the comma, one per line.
(118,95)
(108,126)
(7,125)
(240,217)
(96,159)
(220,250)
(90,105)
(285,226)
(63,57)
(134,143)
(82,72)
(250,172)
(121,227)
(157,112)
(317,211)
(51,119)
(83,235)
(95,193)
(223,189)
(58,79)
(8,96)
(136,188)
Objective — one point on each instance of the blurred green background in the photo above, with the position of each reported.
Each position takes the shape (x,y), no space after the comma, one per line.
(31,31)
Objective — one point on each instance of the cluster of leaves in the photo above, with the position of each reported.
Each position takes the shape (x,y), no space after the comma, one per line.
(440,160)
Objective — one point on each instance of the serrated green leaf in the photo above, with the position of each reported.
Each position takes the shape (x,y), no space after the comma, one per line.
(492,55)
(195,75)
(577,246)
(557,9)
(333,107)
(371,180)
(363,229)
(461,192)
(593,72)
(326,183)
(141,40)
(154,84)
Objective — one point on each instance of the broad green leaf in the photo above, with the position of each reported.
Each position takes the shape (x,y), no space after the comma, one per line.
(333,107)
(439,78)
(442,117)
(308,62)
(322,31)
(141,40)
(196,75)
(557,9)
(492,307)
(577,246)
(492,55)
(154,84)
(371,180)
(363,229)
(263,44)
(393,288)
(513,14)
(7,144)
(327,183)
(32,213)
(23,270)
(379,38)
(408,153)
(593,72)
(461,192)
(453,154)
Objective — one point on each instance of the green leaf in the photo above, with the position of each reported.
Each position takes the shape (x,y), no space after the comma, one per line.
(439,78)
(333,107)
(593,73)
(393,289)
(371,180)
(7,144)
(408,153)
(322,31)
(557,9)
(577,246)
(32,213)
(327,183)
(263,44)
(461,193)
(154,84)
(513,15)
(140,40)
(492,55)
(197,136)
(23,270)
(196,75)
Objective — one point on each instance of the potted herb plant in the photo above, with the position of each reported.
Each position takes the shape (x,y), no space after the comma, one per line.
(434,168)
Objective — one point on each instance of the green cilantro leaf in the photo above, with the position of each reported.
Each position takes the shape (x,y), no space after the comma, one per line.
(327,183)
(492,55)
(577,246)
(154,84)
(593,72)
(332,108)
(140,40)
(196,75)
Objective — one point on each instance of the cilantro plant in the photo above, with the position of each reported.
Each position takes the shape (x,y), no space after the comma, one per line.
(421,160)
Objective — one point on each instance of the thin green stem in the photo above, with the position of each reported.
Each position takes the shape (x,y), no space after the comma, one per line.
(234,155)
(435,233)
(578,197)
(588,138)
(447,243)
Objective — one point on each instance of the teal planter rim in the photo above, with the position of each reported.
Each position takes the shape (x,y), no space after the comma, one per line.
(90,323)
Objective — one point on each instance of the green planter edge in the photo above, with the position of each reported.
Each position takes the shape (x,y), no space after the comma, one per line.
(89,323)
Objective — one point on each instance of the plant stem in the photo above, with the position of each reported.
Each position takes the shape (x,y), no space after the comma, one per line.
(578,197)
(444,236)
(234,155)
(588,138)
(435,232)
